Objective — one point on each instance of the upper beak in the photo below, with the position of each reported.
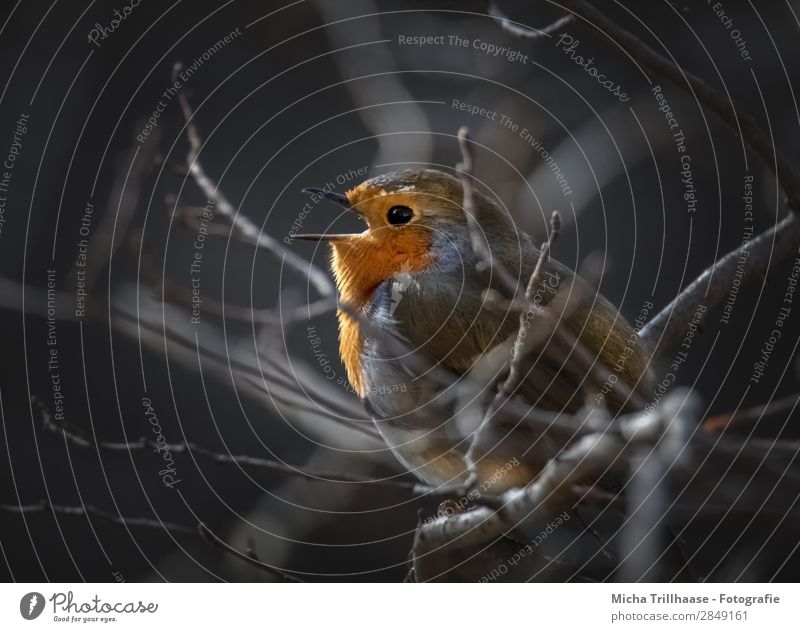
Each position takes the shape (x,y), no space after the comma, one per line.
(339,199)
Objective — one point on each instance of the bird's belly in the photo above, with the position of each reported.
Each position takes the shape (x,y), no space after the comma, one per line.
(442,461)
(416,417)
(430,428)
(416,391)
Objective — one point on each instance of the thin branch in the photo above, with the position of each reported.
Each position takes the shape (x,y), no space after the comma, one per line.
(771,247)
(143,444)
(250,558)
(178,295)
(38,300)
(743,124)
(191,217)
(519,30)
(586,459)
(123,201)
(753,414)
(544,256)
(169,527)
(518,351)
(44,506)
(246,229)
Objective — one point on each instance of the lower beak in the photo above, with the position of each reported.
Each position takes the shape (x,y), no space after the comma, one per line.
(323,237)
(337,198)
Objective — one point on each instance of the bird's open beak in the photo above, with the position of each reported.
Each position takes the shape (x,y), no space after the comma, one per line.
(322,236)
(337,198)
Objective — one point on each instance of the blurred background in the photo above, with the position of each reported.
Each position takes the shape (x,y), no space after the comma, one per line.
(303,94)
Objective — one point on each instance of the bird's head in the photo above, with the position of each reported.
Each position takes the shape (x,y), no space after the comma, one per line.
(413,217)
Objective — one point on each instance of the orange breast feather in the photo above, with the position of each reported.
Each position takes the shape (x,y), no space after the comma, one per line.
(360,264)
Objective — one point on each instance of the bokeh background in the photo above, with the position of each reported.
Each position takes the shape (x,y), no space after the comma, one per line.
(307,93)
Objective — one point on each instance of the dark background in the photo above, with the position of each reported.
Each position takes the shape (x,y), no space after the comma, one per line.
(293,103)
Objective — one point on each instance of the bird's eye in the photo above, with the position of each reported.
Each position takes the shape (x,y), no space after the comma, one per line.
(399,215)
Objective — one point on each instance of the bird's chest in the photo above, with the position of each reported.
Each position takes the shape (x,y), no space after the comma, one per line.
(426,335)
(441,318)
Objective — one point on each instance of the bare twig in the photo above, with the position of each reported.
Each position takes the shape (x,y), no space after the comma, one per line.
(36,301)
(80,440)
(544,256)
(172,528)
(123,202)
(719,423)
(246,229)
(176,294)
(743,124)
(520,30)
(250,558)
(44,506)
(509,385)
(587,458)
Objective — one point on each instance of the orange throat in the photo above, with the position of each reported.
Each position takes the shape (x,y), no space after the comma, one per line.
(360,264)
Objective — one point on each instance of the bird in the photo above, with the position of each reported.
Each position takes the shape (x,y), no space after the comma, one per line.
(427,327)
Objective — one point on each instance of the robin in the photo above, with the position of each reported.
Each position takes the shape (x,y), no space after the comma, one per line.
(426,330)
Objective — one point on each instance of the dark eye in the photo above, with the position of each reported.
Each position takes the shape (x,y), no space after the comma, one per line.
(399,215)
